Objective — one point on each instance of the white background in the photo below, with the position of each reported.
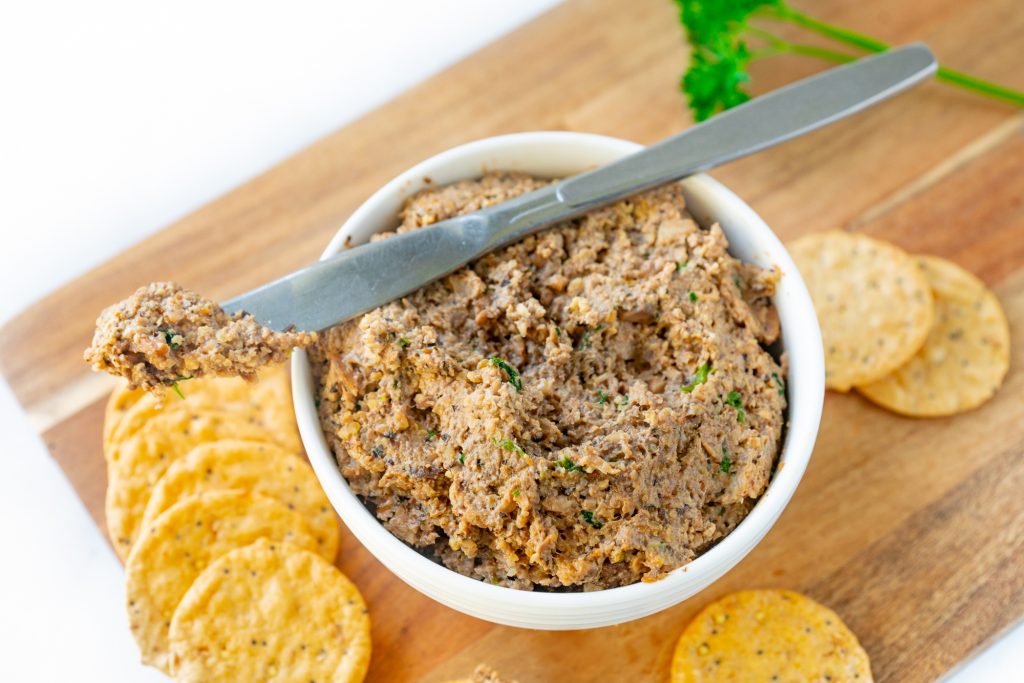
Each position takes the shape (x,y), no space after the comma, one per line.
(119,117)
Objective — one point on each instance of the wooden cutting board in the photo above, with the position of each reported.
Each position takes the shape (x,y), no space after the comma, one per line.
(913,530)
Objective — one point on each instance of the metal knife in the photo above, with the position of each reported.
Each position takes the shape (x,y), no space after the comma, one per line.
(360,279)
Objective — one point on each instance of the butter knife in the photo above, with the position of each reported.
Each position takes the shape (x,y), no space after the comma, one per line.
(360,279)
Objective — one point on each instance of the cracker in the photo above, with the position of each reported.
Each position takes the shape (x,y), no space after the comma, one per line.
(250,466)
(965,358)
(270,611)
(757,635)
(120,402)
(182,542)
(266,403)
(136,464)
(873,303)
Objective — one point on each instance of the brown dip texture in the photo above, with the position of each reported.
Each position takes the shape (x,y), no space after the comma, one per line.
(163,334)
(587,408)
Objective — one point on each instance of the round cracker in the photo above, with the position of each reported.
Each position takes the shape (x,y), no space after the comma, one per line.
(270,610)
(966,356)
(873,303)
(266,403)
(755,635)
(183,541)
(136,464)
(261,468)
(120,402)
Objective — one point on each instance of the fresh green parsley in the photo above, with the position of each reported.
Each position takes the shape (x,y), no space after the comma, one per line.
(510,446)
(782,386)
(735,400)
(567,464)
(589,518)
(177,389)
(682,264)
(623,401)
(585,339)
(515,493)
(601,398)
(693,296)
(462,458)
(513,376)
(699,377)
(403,342)
(431,435)
(169,336)
(724,42)
(726,465)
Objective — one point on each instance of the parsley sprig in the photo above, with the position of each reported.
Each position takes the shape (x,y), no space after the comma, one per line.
(721,35)
(567,464)
(699,377)
(509,445)
(589,518)
(513,375)
(735,399)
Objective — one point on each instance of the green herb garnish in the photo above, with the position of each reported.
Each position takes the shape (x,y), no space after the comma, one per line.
(403,342)
(585,339)
(515,493)
(726,465)
(782,387)
(720,32)
(431,434)
(735,400)
(601,398)
(169,336)
(699,377)
(682,264)
(693,296)
(509,445)
(177,389)
(513,376)
(589,518)
(462,458)
(567,464)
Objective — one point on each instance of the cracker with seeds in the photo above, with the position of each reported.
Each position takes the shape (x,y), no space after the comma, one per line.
(873,304)
(965,358)
(266,403)
(761,634)
(120,402)
(175,548)
(271,611)
(261,468)
(135,465)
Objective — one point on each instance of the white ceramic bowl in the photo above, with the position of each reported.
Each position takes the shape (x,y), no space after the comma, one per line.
(559,154)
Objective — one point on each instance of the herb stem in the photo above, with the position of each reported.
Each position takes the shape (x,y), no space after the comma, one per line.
(784,12)
(782,46)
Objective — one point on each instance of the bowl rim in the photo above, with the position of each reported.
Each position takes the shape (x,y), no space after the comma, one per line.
(424,574)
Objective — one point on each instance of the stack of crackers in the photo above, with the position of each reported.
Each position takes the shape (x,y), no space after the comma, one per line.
(228,539)
(918,335)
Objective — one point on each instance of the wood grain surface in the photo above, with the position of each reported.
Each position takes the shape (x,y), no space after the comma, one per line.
(912,530)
